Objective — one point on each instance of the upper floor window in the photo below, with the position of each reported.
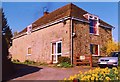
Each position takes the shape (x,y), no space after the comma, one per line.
(29,29)
(94,23)
(93,26)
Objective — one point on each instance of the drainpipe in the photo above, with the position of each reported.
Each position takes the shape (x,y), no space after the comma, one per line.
(71,42)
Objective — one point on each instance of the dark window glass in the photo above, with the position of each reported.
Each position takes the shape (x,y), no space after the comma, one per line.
(91,48)
(59,47)
(91,30)
(91,22)
(91,17)
(92,26)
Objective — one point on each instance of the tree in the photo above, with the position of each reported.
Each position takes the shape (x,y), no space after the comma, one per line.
(110,46)
(6,31)
(7,65)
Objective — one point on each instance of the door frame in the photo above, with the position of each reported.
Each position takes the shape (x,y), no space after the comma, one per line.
(56,50)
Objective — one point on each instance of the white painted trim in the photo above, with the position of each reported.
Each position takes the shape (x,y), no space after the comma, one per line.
(57,46)
(56,50)
(98,50)
(106,26)
(28,54)
(51,23)
(79,20)
(94,34)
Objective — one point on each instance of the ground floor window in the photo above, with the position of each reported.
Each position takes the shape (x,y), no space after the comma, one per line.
(56,50)
(94,49)
(29,51)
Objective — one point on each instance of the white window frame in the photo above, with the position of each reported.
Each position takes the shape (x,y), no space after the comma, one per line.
(93,18)
(56,50)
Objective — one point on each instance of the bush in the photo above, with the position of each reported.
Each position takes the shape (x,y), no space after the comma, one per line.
(97,74)
(16,61)
(29,62)
(64,64)
(41,63)
(63,59)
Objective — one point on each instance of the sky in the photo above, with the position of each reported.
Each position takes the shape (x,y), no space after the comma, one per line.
(22,14)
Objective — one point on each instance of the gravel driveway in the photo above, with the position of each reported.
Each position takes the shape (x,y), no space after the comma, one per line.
(47,73)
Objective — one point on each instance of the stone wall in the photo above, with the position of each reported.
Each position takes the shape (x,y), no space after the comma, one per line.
(83,39)
(40,43)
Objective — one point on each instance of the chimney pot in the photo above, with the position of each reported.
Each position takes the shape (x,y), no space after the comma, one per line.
(45,13)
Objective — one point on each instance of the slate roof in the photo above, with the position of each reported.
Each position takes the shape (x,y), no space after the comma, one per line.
(67,10)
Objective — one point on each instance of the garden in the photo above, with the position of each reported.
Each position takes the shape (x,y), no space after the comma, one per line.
(98,74)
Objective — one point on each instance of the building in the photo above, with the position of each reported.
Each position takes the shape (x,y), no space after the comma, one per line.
(67,31)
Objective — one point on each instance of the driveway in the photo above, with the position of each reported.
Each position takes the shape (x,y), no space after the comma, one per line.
(48,73)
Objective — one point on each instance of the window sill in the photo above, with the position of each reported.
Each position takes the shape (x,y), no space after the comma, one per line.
(57,54)
(94,34)
(95,55)
(28,54)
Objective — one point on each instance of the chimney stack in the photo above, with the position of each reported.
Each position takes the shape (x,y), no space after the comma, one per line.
(45,13)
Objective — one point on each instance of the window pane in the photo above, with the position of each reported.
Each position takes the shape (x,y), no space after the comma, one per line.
(91,48)
(29,50)
(93,27)
(53,48)
(94,49)
(91,22)
(91,30)
(59,48)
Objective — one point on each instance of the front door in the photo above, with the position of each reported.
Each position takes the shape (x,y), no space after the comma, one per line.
(56,51)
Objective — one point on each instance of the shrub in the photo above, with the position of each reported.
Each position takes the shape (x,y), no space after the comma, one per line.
(63,59)
(16,60)
(64,64)
(97,74)
(29,62)
(41,63)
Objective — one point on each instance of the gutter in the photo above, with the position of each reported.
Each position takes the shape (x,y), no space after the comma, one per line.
(107,26)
